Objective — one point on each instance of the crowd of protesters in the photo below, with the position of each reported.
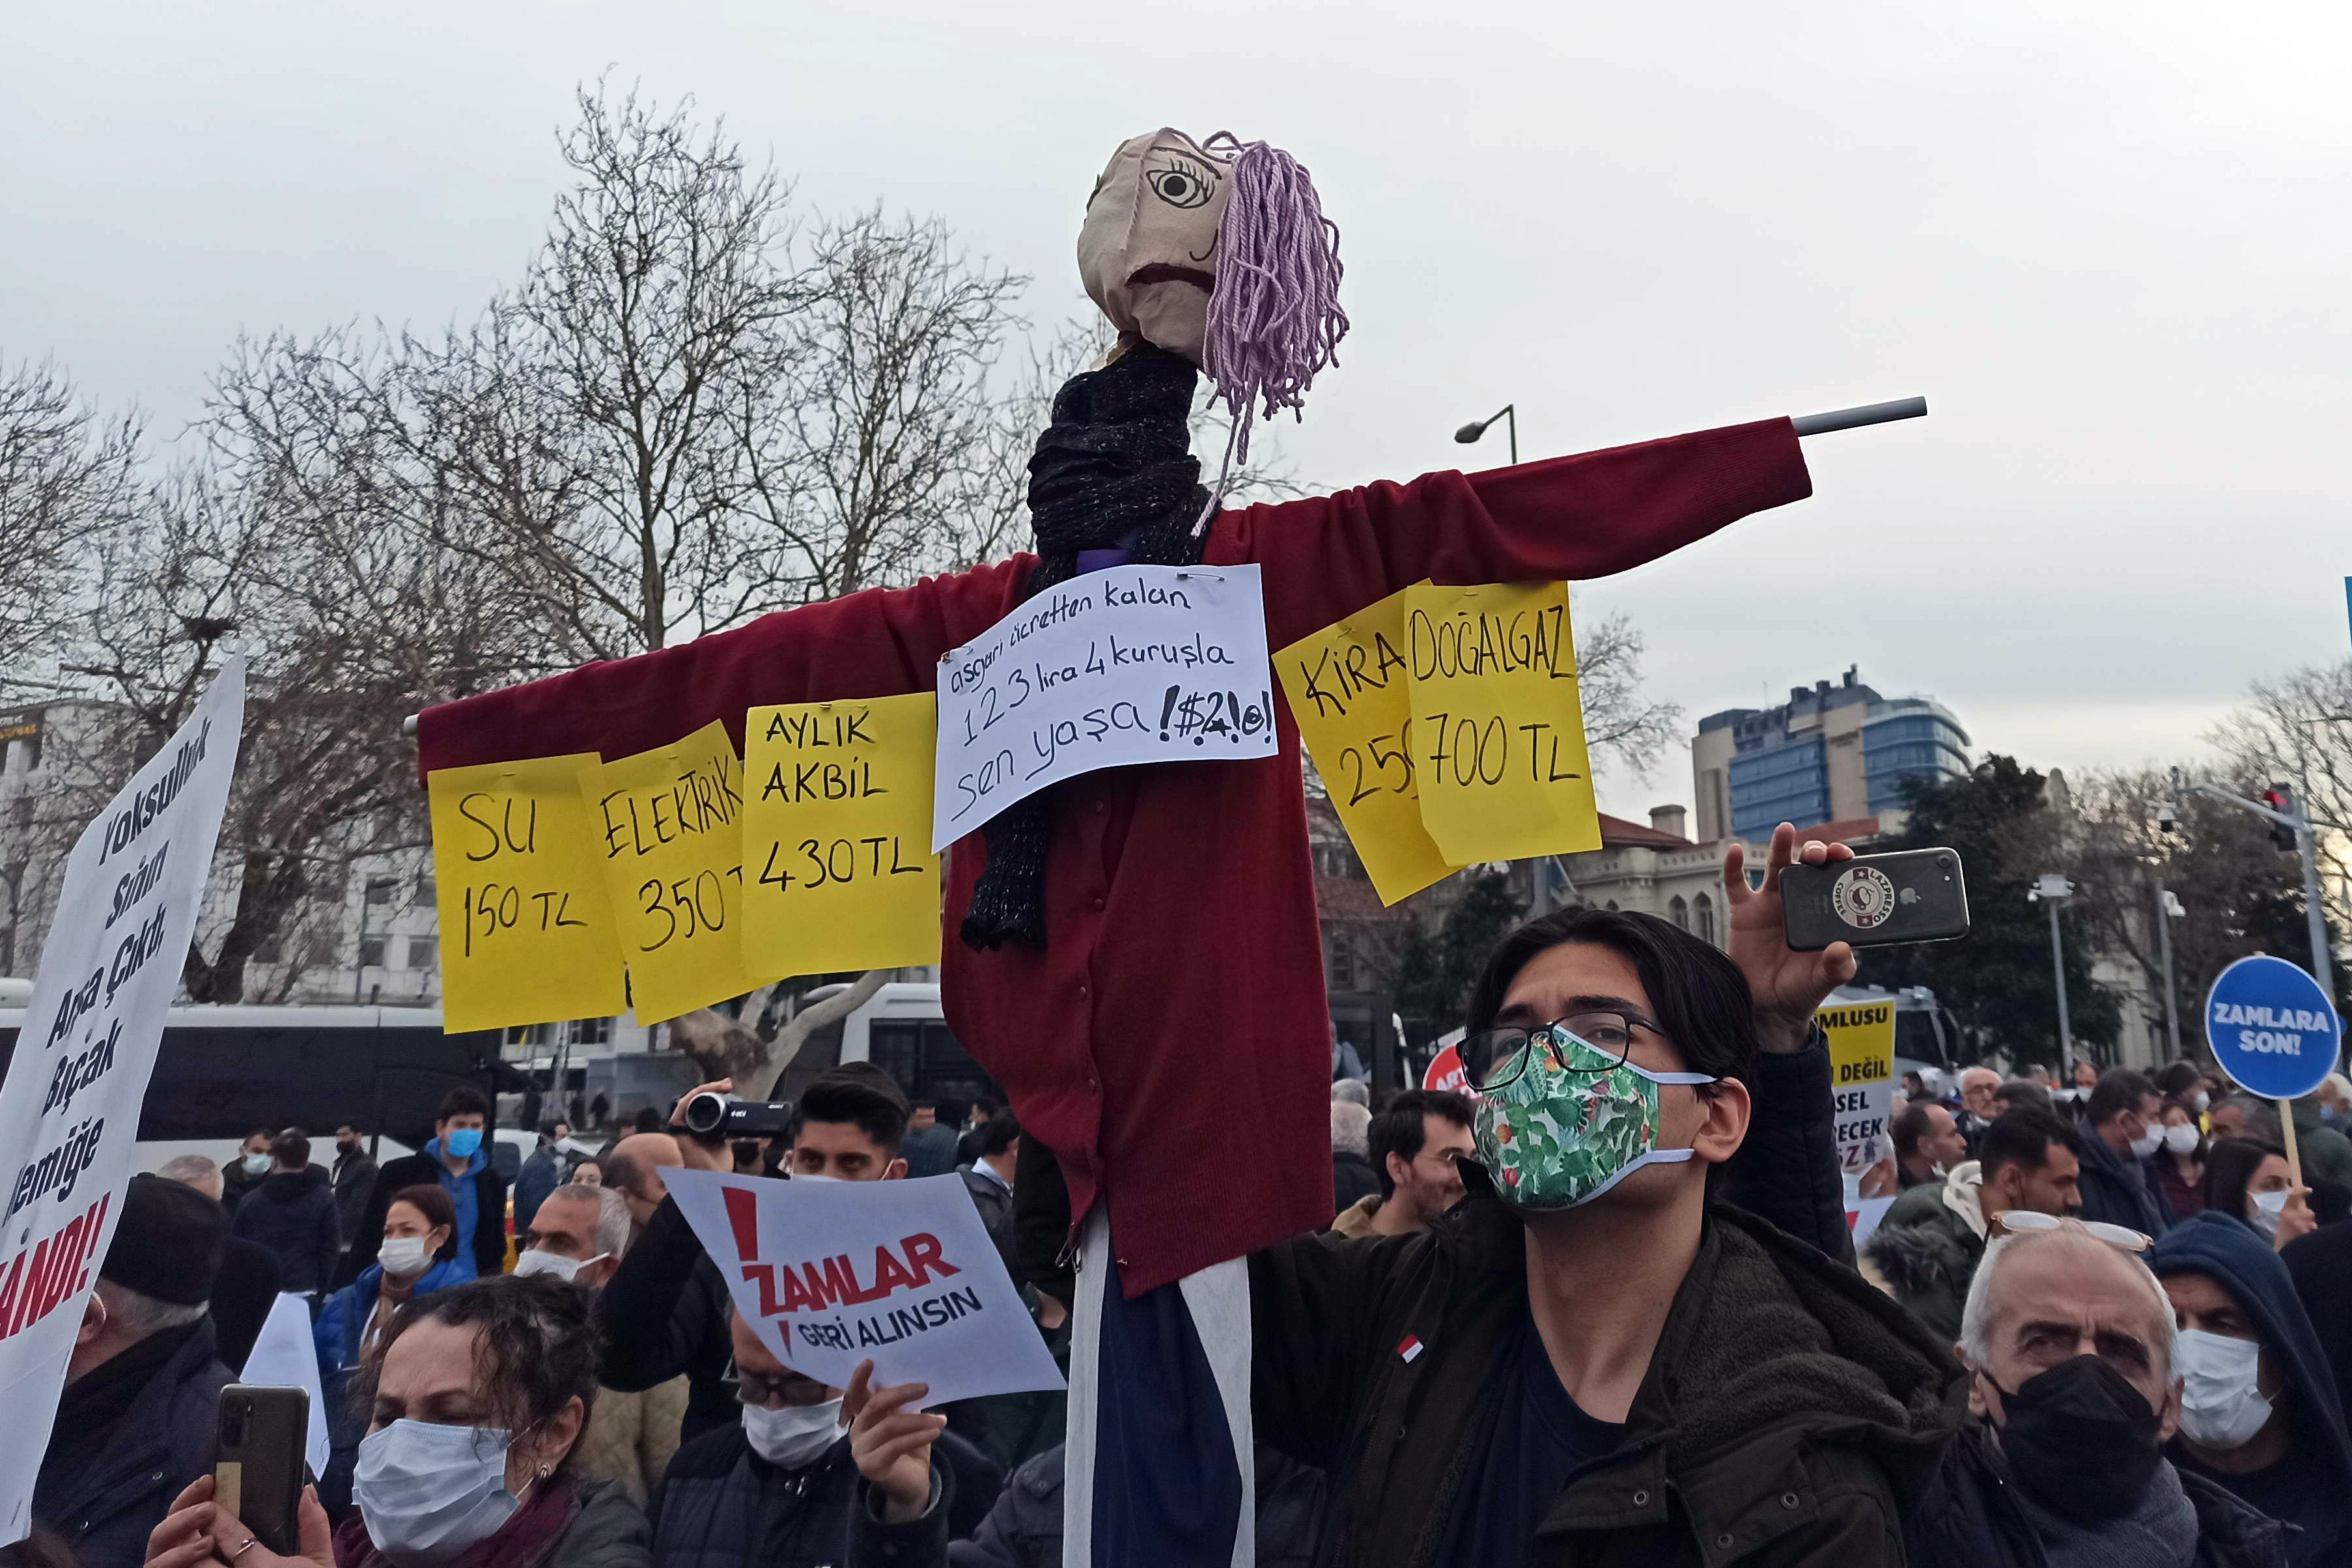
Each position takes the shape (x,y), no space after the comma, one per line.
(2107,1323)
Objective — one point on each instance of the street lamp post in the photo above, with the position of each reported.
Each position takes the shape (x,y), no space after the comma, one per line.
(2168,910)
(1509,412)
(2048,888)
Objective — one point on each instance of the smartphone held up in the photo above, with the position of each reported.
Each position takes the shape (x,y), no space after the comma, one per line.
(260,1472)
(1875,901)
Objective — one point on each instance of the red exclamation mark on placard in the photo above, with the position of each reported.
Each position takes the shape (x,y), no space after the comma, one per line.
(743,1217)
(94,1222)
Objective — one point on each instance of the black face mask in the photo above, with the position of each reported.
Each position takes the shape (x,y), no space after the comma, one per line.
(2080,1439)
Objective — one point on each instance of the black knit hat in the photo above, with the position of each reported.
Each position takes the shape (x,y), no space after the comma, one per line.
(168,1243)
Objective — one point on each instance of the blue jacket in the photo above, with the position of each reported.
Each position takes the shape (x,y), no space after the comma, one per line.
(2318,1496)
(344,1316)
(541,1175)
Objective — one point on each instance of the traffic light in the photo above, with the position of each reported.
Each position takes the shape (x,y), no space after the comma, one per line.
(2278,797)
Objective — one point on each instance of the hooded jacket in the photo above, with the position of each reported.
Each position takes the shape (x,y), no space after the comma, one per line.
(1786,1410)
(2118,1188)
(1927,1246)
(2312,1487)
(293,1213)
(2321,1265)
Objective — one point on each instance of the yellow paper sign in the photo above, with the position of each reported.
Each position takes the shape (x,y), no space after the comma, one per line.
(1347,689)
(1499,731)
(1861,1080)
(668,827)
(836,835)
(527,931)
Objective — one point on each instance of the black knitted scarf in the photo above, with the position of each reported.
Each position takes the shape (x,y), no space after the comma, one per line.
(1115,469)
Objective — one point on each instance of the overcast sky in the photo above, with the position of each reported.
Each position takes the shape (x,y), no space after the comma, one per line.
(2108,242)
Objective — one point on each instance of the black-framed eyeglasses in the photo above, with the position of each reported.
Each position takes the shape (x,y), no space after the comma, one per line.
(1492,1059)
(773,1392)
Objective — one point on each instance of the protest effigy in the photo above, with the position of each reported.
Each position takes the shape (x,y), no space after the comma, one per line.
(1127,907)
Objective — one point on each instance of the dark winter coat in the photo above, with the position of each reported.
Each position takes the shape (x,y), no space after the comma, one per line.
(723,1506)
(354,1185)
(607,1532)
(243,1292)
(118,1454)
(1024,1528)
(1785,1409)
(292,1212)
(2312,1489)
(422,1169)
(663,1314)
(2119,1188)
(1926,1252)
(2321,1267)
(603,1530)
(236,1184)
(931,1151)
(993,1199)
(1352,1181)
(1968,1516)
(541,1175)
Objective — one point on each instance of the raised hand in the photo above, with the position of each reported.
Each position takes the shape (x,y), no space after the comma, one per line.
(891,1443)
(199,1532)
(697,1153)
(1786,986)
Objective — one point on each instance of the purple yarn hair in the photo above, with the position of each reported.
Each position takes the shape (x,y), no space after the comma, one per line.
(1273,316)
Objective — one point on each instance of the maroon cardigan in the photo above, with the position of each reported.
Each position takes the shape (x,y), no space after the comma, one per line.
(1170,1043)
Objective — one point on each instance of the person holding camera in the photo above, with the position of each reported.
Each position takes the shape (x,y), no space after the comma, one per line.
(664,1312)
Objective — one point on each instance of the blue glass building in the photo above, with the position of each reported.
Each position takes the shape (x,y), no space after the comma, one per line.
(1832,752)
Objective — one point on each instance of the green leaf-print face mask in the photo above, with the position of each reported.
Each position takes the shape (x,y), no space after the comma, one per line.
(1553,1138)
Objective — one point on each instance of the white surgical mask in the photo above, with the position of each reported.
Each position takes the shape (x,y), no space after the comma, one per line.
(256,1165)
(427,1492)
(796,1435)
(2180,1140)
(2147,1142)
(2268,1206)
(539,1260)
(403,1256)
(2202,1100)
(2220,1405)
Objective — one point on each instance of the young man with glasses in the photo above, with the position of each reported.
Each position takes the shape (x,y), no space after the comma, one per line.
(1590,1358)
(1413,1144)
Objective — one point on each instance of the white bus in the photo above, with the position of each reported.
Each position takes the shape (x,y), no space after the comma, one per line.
(225,1072)
(902,1030)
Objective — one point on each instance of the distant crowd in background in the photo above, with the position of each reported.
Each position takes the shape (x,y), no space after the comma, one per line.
(2101,1323)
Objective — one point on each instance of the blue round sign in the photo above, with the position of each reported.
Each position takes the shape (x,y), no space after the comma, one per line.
(2272,1028)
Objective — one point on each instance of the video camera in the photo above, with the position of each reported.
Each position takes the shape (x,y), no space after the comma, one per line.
(717,1116)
